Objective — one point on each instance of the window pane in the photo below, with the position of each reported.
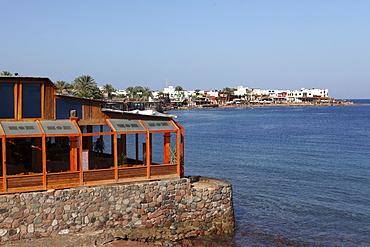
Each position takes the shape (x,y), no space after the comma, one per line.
(6,100)
(31,100)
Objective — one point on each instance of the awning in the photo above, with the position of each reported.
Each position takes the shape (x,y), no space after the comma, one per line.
(21,128)
(126,125)
(153,125)
(59,127)
(50,128)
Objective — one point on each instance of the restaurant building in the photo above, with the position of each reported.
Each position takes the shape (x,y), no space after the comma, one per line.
(51,141)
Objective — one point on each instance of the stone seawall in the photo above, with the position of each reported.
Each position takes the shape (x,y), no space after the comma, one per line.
(148,211)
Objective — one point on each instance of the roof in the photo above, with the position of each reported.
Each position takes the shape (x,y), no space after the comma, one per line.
(151,113)
(79,98)
(28,78)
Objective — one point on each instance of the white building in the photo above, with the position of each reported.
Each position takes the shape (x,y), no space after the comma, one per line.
(298,95)
(174,95)
(241,91)
(289,95)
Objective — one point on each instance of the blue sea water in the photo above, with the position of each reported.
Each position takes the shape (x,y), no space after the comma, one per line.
(301,175)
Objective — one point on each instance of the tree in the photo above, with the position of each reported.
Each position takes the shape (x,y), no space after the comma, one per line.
(179,89)
(228,91)
(129,92)
(6,73)
(63,87)
(146,93)
(86,87)
(96,93)
(248,95)
(160,94)
(139,93)
(109,89)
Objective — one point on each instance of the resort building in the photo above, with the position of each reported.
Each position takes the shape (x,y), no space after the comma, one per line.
(59,141)
(290,95)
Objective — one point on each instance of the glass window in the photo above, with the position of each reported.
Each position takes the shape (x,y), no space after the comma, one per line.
(58,154)
(24,156)
(7,99)
(31,97)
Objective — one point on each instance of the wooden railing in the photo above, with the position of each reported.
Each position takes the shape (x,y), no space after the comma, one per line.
(34,182)
(61,179)
(98,175)
(132,172)
(21,181)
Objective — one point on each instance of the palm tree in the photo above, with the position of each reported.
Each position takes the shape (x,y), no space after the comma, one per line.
(129,92)
(146,93)
(160,94)
(179,90)
(228,91)
(248,95)
(6,73)
(139,93)
(63,87)
(109,89)
(86,87)
(96,93)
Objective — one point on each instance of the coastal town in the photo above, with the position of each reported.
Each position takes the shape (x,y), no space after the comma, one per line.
(176,97)
(173,98)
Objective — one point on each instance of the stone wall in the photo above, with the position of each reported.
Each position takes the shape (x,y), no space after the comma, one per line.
(173,209)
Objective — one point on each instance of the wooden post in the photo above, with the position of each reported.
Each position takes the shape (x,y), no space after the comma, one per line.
(137,147)
(148,153)
(17,101)
(182,150)
(44,168)
(42,100)
(115,157)
(150,148)
(167,148)
(73,153)
(178,152)
(3,143)
(80,159)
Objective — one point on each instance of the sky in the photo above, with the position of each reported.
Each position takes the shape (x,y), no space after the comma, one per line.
(200,44)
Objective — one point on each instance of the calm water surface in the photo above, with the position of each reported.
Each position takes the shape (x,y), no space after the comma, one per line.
(301,175)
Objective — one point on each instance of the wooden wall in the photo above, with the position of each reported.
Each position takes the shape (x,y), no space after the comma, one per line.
(50,107)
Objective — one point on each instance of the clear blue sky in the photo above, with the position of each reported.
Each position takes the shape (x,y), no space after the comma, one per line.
(285,44)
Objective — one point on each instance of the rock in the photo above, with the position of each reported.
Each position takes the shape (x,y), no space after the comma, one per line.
(3,232)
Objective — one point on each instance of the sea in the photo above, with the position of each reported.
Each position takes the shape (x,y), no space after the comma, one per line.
(300,175)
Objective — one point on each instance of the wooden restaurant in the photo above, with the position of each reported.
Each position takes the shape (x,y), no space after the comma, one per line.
(51,141)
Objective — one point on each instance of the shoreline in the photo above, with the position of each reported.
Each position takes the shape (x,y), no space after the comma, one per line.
(262,105)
